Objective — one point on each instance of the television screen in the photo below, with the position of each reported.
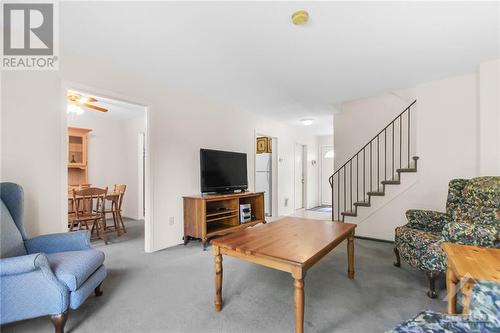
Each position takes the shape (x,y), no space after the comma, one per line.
(223,171)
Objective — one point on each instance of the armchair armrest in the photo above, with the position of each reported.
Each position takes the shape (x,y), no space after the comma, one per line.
(22,264)
(426,220)
(62,242)
(42,292)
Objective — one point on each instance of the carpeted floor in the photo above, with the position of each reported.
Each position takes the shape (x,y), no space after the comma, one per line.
(324,209)
(173,291)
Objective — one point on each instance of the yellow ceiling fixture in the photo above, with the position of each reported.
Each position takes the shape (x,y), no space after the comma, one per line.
(82,101)
(300,17)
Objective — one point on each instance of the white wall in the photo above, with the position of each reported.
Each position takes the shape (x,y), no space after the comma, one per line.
(360,120)
(489,118)
(179,125)
(447,142)
(113,154)
(32,140)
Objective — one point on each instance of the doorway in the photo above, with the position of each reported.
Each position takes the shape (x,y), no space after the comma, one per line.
(299,175)
(266,172)
(141,167)
(113,153)
(326,160)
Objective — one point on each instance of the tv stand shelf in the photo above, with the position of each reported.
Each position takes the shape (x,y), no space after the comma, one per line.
(206,216)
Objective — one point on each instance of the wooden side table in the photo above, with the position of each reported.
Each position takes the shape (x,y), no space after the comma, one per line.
(467,264)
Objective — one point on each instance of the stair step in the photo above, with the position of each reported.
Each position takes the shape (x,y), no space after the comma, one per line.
(406,170)
(376,194)
(349,213)
(391,182)
(362,203)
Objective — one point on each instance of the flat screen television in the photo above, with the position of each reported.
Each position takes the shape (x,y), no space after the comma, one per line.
(223,171)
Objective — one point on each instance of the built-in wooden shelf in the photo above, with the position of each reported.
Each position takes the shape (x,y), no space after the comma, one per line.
(77,156)
(224,229)
(222,212)
(220,218)
(206,216)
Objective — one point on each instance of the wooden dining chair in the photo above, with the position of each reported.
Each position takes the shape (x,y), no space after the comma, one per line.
(71,205)
(116,198)
(89,208)
(120,190)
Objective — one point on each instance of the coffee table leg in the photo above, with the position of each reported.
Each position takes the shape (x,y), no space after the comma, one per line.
(466,288)
(218,279)
(298,297)
(299,305)
(350,255)
(451,289)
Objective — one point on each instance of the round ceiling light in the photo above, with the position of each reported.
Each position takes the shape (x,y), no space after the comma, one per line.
(307,121)
(300,17)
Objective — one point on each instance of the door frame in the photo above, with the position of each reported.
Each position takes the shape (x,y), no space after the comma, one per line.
(274,170)
(148,218)
(141,168)
(304,175)
(321,167)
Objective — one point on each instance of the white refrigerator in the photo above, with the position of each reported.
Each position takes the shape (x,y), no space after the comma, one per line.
(264,179)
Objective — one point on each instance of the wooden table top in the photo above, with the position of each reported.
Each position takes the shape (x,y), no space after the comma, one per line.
(294,240)
(477,262)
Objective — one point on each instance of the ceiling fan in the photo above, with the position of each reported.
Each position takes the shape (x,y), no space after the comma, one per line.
(86,102)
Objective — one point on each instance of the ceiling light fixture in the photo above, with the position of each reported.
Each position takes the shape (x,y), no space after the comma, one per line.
(307,121)
(300,17)
(74,109)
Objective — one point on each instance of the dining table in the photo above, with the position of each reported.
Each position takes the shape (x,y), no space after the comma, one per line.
(113,197)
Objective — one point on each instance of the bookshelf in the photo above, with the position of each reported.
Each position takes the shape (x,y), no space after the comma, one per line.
(207,216)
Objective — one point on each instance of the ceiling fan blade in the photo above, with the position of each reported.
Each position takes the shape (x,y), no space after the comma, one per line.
(93,107)
(91,100)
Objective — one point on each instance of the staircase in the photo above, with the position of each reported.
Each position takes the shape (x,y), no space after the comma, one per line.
(378,164)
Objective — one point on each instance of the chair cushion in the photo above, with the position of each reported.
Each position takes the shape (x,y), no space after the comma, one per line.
(484,315)
(420,249)
(73,268)
(11,240)
(485,304)
(433,322)
(419,239)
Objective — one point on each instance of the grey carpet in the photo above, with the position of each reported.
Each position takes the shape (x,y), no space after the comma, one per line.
(173,291)
(323,209)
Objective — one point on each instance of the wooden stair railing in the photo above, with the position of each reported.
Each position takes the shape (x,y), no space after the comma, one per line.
(366,173)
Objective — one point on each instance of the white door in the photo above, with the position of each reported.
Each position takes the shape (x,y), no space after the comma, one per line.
(326,171)
(299,176)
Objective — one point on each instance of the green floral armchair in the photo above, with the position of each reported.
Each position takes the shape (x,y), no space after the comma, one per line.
(472,217)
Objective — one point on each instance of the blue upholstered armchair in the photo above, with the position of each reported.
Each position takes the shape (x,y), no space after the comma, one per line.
(45,275)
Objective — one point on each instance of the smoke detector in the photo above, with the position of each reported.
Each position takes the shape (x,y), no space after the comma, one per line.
(300,17)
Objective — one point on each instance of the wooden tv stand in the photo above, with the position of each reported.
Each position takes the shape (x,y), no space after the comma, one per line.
(206,216)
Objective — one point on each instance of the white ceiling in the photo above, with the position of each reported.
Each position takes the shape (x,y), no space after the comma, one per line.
(116,109)
(249,55)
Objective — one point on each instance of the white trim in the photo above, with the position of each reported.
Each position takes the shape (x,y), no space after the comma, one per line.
(141,138)
(149,245)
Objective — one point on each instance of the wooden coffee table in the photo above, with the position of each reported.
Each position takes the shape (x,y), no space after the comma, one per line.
(291,245)
(467,264)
